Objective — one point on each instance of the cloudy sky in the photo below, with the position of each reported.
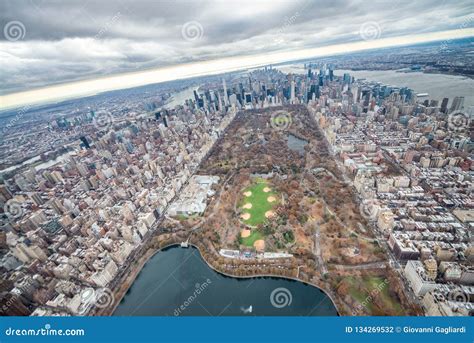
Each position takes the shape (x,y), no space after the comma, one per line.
(49,42)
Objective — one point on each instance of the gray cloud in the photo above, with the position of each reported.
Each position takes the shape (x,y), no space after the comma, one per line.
(72,40)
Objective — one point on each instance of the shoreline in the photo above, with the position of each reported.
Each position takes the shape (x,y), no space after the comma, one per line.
(118,300)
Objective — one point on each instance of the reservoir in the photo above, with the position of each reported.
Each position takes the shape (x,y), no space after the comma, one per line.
(177,282)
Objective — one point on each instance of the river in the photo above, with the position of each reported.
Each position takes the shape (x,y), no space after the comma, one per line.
(180,97)
(41,166)
(177,281)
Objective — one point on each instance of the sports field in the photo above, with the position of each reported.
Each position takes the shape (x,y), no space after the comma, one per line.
(254,236)
(257,203)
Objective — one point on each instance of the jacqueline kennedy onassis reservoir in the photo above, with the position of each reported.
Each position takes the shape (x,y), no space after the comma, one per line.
(177,281)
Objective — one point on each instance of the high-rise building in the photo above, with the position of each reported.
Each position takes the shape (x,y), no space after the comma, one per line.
(444,105)
(355,93)
(226,97)
(196,96)
(248,98)
(82,169)
(292,96)
(22,183)
(37,199)
(5,193)
(458,103)
(85,142)
(347,78)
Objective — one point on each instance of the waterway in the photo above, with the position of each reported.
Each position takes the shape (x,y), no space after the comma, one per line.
(41,166)
(180,97)
(177,281)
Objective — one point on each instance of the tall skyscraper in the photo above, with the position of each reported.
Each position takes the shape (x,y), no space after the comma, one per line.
(458,103)
(85,142)
(226,97)
(196,96)
(37,199)
(347,78)
(355,93)
(5,193)
(292,96)
(444,105)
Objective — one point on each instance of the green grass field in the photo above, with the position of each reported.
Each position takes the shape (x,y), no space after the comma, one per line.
(370,284)
(186,217)
(254,236)
(259,202)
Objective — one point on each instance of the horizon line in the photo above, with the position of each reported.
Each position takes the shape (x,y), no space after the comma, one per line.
(89,87)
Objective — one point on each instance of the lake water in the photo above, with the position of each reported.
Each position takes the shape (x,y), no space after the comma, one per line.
(177,281)
(296,144)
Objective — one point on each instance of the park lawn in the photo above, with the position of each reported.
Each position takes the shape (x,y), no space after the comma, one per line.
(255,235)
(259,202)
(182,217)
(372,283)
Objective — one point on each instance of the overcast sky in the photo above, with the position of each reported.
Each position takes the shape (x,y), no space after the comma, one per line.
(47,42)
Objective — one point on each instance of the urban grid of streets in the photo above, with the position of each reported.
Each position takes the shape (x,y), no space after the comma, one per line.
(112,183)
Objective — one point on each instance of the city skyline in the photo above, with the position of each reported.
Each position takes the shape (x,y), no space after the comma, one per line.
(101,42)
(115,176)
(291,162)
